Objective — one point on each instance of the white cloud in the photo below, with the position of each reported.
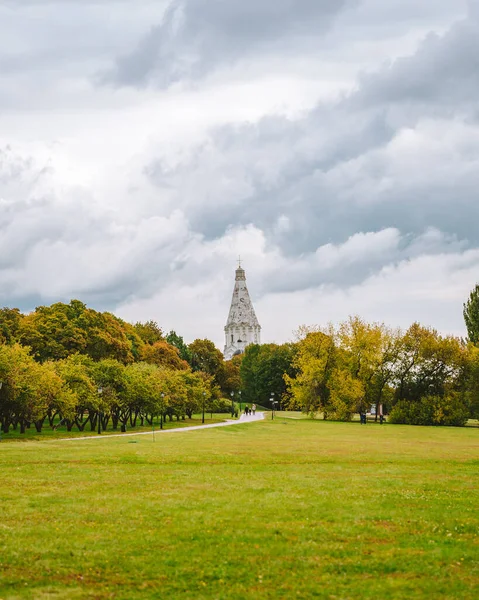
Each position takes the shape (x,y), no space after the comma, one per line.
(344,174)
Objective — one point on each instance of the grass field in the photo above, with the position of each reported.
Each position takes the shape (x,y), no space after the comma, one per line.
(276,509)
(47,432)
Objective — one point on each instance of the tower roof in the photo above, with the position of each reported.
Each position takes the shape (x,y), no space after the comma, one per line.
(241,310)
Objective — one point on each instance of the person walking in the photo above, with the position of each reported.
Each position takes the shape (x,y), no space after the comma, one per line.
(253,408)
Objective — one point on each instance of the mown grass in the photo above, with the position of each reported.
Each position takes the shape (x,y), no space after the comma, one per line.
(275,509)
(60,431)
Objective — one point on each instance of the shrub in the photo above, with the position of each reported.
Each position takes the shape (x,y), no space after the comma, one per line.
(450,410)
(222,405)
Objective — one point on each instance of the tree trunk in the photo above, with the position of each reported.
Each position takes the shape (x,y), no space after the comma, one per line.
(104,422)
(93,421)
(39,424)
(51,418)
(81,424)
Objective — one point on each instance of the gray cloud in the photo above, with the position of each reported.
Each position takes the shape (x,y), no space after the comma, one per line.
(340,170)
(444,72)
(373,186)
(197,35)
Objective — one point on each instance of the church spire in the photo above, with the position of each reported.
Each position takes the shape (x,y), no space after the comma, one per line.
(242,327)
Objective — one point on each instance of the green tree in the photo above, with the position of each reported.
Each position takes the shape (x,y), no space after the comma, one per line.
(109,377)
(150,332)
(314,362)
(471,315)
(10,319)
(76,376)
(144,385)
(428,364)
(28,389)
(60,330)
(176,340)
(263,370)
(206,357)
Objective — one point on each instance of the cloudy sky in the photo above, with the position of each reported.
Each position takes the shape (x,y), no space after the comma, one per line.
(334,144)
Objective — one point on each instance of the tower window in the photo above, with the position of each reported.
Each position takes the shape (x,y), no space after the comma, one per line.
(232,339)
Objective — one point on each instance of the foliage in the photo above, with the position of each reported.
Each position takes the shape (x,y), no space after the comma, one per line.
(206,357)
(314,362)
(177,341)
(149,332)
(229,376)
(28,389)
(432,410)
(10,319)
(223,406)
(427,363)
(60,330)
(263,369)
(163,354)
(471,315)
(358,365)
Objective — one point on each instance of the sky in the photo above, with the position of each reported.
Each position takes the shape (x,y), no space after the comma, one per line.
(332,144)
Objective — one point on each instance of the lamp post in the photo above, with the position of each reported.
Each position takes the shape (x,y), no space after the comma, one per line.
(161,412)
(232,405)
(241,409)
(100,392)
(203,413)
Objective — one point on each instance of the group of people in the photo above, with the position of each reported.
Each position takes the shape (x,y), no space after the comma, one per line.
(249,411)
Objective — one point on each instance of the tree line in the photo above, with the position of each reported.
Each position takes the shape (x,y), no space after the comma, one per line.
(70,364)
(416,376)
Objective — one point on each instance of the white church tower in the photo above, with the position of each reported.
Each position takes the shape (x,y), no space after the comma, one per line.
(242,327)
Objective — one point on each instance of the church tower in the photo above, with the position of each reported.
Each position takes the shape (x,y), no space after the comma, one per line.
(242,327)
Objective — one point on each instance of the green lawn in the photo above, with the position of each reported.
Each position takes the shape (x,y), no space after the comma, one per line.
(61,431)
(275,509)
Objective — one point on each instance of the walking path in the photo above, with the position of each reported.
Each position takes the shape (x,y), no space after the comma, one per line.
(243,419)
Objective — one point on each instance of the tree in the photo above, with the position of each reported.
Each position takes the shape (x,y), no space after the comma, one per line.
(10,319)
(471,315)
(364,348)
(263,369)
(28,389)
(109,377)
(149,332)
(176,340)
(229,376)
(165,355)
(77,380)
(314,362)
(61,330)
(207,358)
(470,381)
(427,364)
(144,385)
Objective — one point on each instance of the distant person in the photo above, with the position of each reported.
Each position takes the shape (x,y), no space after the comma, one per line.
(253,408)
(246,409)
